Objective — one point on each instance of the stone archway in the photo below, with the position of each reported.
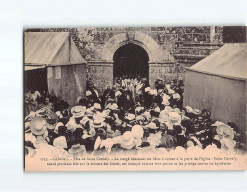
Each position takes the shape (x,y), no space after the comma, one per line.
(102,70)
(159,58)
(155,52)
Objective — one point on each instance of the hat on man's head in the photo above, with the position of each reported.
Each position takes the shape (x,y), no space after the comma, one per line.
(114,106)
(157,109)
(165,102)
(127,140)
(177,110)
(174,117)
(78,111)
(77,150)
(137,131)
(97,106)
(152,126)
(59,124)
(225,131)
(60,142)
(188,109)
(196,111)
(98,117)
(139,109)
(88,93)
(118,93)
(130,117)
(31,115)
(38,126)
(176,96)
(167,110)
(140,118)
(171,91)
(98,124)
(217,123)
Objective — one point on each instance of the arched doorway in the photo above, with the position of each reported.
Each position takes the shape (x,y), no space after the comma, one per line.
(130,59)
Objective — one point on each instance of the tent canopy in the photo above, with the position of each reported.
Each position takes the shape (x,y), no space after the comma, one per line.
(50,49)
(229,61)
(218,83)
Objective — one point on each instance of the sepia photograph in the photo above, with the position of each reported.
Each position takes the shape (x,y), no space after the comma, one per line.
(135,98)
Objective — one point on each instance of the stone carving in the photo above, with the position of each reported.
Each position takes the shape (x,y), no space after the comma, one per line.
(101,37)
(161,38)
(131,35)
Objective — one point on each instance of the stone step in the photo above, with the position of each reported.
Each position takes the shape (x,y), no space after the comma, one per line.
(199,48)
(188,56)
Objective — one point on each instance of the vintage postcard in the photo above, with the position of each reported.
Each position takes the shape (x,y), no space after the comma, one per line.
(135,98)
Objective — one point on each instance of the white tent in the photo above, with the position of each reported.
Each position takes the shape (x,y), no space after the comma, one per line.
(57,52)
(218,83)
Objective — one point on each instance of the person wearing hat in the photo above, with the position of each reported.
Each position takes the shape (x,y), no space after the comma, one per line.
(64,116)
(175,117)
(39,130)
(189,112)
(96,107)
(158,99)
(155,113)
(82,137)
(94,93)
(30,101)
(159,83)
(129,117)
(150,128)
(127,140)
(77,150)
(106,94)
(225,136)
(181,139)
(51,124)
(77,115)
(61,140)
(196,112)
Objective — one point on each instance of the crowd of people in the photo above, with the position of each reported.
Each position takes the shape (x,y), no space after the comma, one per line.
(129,117)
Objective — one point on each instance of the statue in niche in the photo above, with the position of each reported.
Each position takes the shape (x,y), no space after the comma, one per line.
(101,37)
(161,38)
(130,35)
